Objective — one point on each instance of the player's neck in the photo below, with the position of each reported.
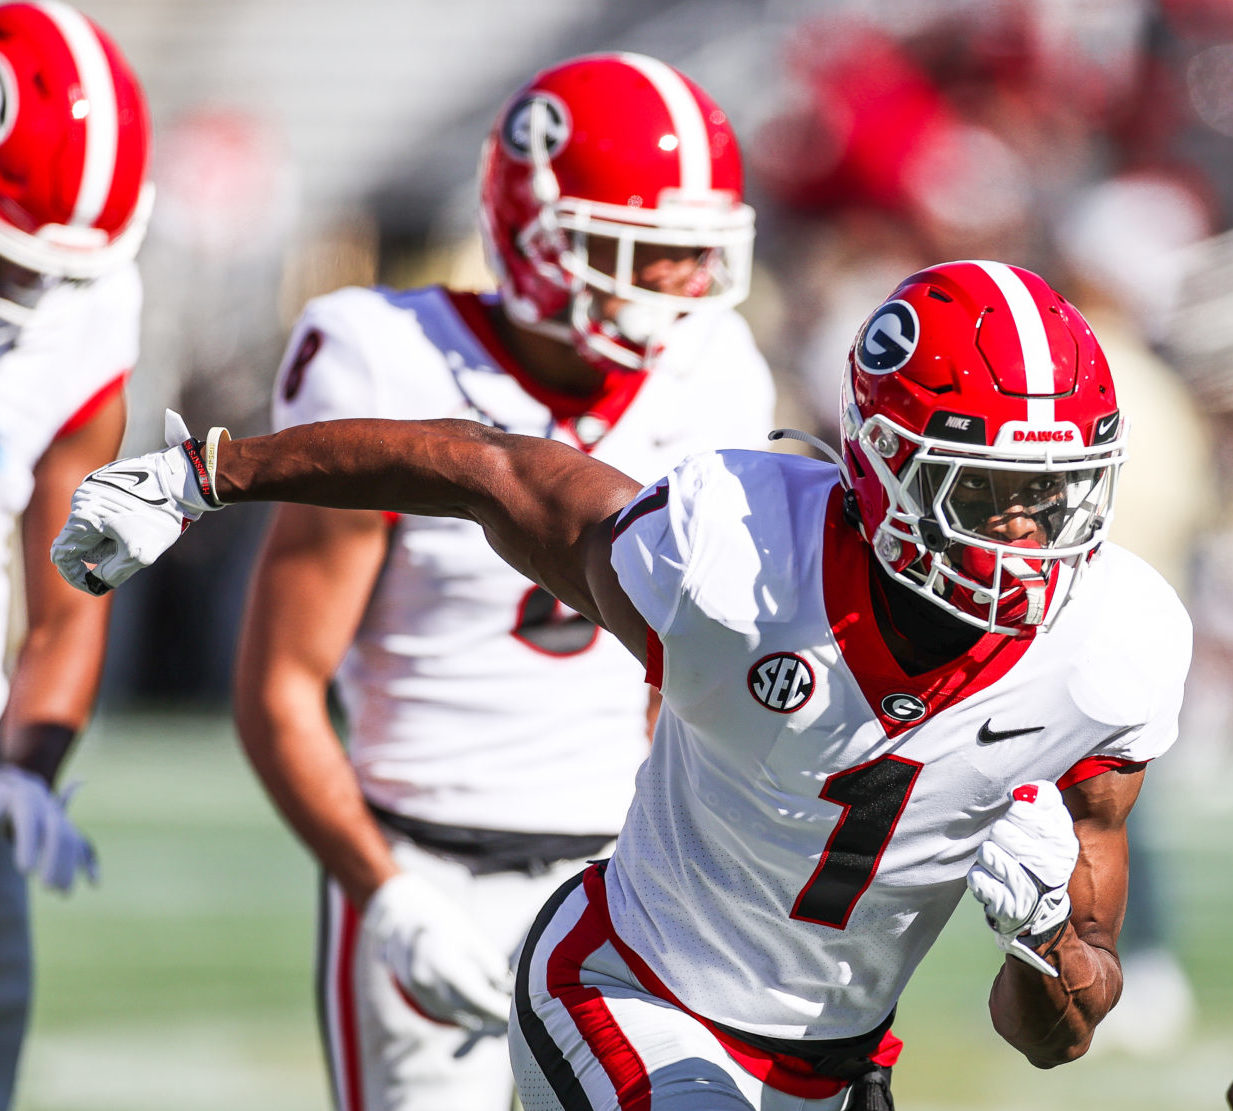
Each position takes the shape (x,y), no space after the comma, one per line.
(553,364)
(919,635)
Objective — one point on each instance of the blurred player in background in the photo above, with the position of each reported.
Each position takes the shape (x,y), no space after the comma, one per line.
(493,734)
(888,681)
(74,202)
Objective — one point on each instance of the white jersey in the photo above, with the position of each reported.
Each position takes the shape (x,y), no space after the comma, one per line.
(473,698)
(80,344)
(802,829)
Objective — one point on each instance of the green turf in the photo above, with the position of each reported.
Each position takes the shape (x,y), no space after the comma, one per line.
(183,982)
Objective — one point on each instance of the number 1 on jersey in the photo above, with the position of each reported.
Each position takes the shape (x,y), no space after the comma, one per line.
(873,796)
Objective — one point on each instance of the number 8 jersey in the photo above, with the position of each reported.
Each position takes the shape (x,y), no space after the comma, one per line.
(802,828)
(473,698)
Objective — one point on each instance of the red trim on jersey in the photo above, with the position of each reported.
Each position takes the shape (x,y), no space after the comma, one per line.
(781,1071)
(390,517)
(654,659)
(615,394)
(589,1010)
(1091,766)
(845,589)
(92,405)
(348,1024)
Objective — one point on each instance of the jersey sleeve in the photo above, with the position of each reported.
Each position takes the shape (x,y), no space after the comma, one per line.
(1136,690)
(327,372)
(694,545)
(650,551)
(743,380)
(114,332)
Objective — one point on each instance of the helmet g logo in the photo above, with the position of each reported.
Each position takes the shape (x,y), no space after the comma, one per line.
(887,342)
(518,132)
(782,682)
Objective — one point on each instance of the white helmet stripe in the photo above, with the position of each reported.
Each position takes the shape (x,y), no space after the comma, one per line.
(694,151)
(1037,359)
(101,119)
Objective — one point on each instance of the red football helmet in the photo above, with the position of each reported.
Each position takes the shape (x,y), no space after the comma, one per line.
(982,440)
(74,140)
(619,146)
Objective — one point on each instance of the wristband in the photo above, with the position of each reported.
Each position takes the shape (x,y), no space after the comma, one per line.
(215,437)
(203,458)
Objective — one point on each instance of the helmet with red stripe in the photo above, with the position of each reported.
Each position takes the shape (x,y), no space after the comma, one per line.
(74,141)
(593,166)
(981,440)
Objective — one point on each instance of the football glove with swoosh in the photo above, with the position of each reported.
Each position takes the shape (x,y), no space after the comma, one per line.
(126,514)
(1022,870)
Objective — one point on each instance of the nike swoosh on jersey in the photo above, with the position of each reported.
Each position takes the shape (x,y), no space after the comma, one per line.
(988,736)
(138,478)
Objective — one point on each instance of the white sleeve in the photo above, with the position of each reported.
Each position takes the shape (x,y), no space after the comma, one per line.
(326,372)
(747,388)
(114,332)
(1160,674)
(1133,684)
(702,534)
(650,551)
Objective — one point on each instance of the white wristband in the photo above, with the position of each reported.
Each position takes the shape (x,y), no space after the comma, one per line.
(209,454)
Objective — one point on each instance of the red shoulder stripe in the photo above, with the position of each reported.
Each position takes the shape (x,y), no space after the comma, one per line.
(86,413)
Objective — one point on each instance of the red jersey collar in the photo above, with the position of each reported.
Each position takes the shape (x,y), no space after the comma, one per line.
(849,609)
(607,404)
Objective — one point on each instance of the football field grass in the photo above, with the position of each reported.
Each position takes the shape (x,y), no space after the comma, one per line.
(184,980)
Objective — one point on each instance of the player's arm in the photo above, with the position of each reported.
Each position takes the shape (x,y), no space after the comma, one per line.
(59,665)
(1051,1020)
(308,592)
(545,508)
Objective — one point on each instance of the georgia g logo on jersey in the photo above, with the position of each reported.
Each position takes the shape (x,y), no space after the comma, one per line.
(516,133)
(782,682)
(904,707)
(887,342)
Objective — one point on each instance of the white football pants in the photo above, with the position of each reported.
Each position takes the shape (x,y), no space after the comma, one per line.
(586,1036)
(382,1054)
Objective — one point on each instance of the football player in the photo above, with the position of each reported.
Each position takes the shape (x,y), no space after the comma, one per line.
(74,202)
(887,680)
(493,733)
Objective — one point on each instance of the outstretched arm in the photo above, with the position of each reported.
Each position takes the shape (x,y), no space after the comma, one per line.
(1051,1021)
(542,504)
(546,508)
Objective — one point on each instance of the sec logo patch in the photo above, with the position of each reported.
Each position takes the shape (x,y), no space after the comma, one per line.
(783,682)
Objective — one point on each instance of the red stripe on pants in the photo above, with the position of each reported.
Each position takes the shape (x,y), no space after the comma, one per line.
(351,1079)
(589,1010)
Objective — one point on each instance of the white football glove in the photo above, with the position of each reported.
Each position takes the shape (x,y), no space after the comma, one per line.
(126,514)
(451,970)
(1022,870)
(44,840)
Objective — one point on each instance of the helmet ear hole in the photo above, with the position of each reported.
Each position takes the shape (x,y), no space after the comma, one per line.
(933,536)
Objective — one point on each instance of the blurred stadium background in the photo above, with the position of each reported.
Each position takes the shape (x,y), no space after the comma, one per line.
(301,146)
